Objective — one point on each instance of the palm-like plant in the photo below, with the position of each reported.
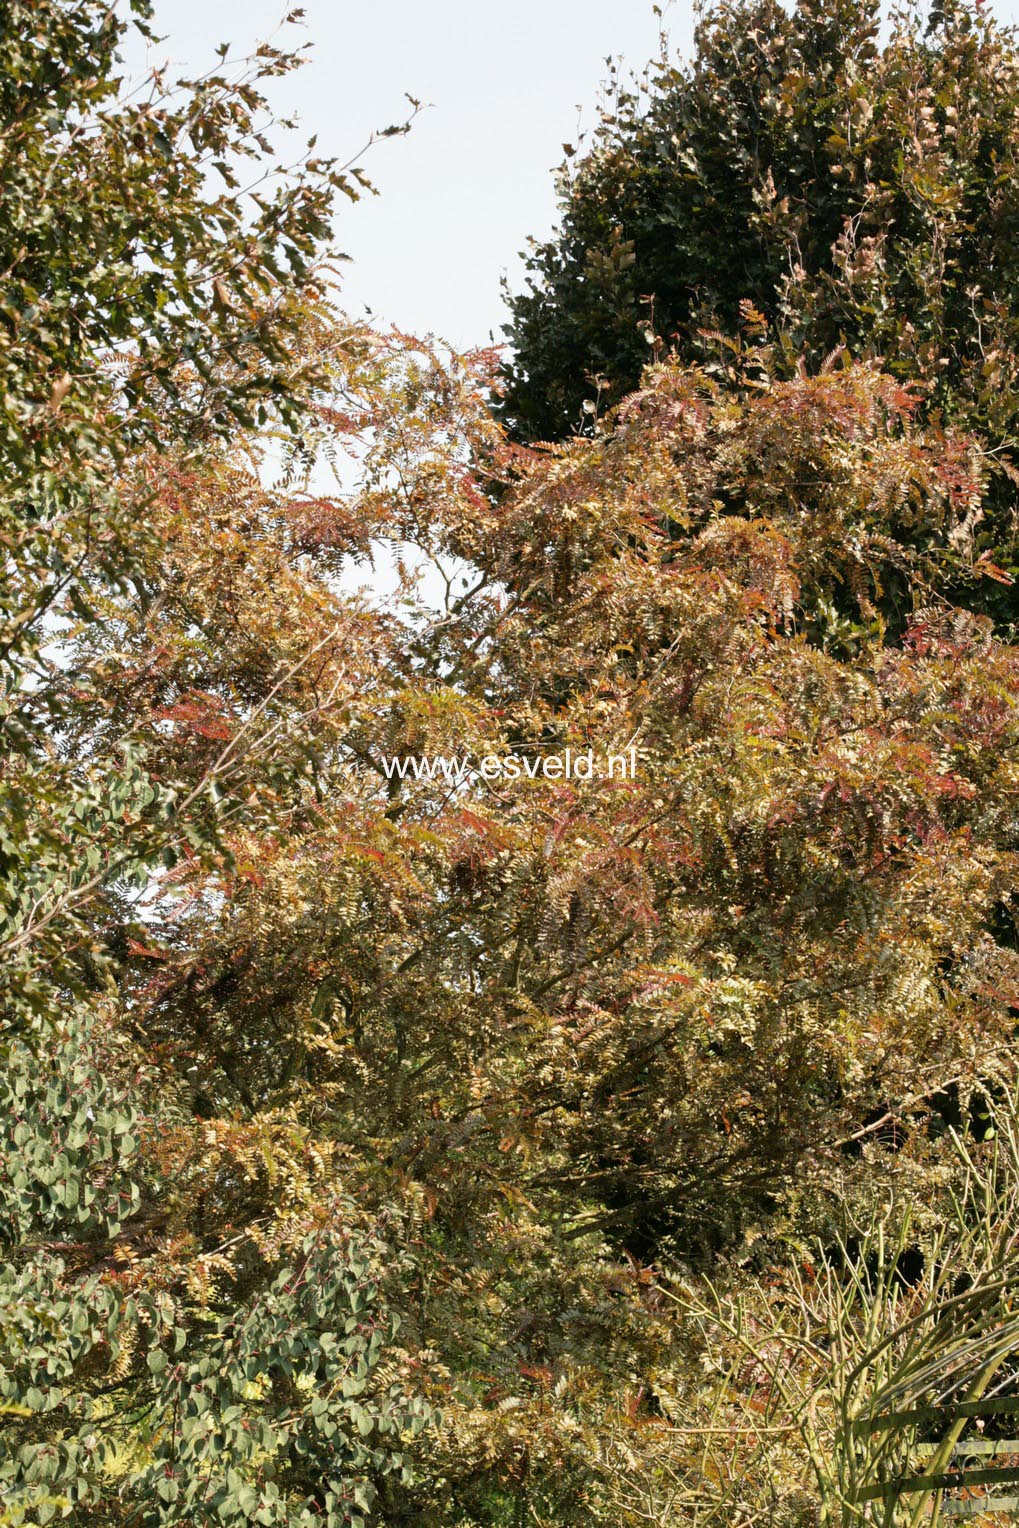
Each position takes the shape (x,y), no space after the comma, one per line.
(839,1384)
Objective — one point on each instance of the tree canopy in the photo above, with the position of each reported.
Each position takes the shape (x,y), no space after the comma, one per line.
(451,1146)
(803,188)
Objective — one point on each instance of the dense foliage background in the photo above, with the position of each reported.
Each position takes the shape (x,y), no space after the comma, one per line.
(382,1149)
(816,182)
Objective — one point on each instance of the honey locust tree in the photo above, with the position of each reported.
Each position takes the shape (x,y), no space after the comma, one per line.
(541,1034)
(338,1104)
(697,996)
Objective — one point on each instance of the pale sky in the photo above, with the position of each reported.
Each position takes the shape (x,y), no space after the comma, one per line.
(461,194)
(506,81)
(463,191)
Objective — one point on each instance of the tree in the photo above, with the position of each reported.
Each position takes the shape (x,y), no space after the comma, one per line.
(146,298)
(150,305)
(545,1033)
(855,196)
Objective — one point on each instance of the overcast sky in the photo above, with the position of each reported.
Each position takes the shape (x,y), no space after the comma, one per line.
(462,192)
